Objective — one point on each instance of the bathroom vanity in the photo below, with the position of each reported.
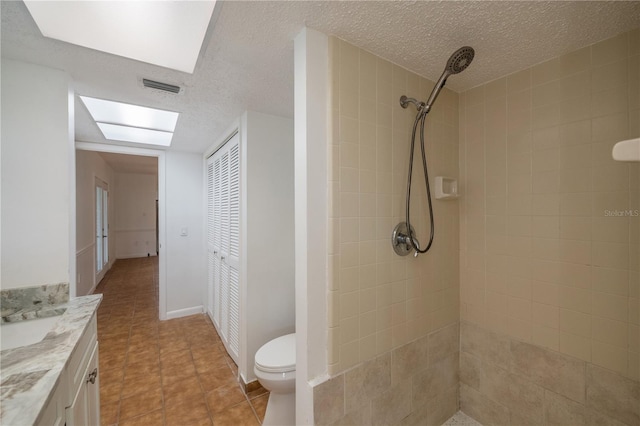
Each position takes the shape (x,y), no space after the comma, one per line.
(55,380)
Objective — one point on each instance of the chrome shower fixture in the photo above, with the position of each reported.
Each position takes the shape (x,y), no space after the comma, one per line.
(404,238)
(458,62)
(405,101)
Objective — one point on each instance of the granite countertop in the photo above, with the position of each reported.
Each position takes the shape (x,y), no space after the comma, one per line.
(29,373)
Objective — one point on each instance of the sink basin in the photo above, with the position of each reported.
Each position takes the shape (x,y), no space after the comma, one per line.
(23,333)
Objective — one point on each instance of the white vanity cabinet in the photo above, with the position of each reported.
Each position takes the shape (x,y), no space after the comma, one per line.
(54,412)
(76,398)
(250,238)
(83,396)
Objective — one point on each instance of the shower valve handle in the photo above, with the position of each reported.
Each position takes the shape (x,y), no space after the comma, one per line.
(402,242)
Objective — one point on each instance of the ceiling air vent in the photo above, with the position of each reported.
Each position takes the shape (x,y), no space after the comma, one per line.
(160,86)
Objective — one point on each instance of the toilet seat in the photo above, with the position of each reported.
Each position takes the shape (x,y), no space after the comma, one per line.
(278,355)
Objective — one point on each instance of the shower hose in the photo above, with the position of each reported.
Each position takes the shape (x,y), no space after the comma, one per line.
(420,119)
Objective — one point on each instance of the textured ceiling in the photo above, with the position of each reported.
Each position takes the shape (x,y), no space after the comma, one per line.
(247,59)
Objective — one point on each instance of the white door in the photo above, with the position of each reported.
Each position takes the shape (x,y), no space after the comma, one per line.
(102,228)
(223,242)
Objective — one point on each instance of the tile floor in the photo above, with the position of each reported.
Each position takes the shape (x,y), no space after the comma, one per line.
(461,419)
(153,372)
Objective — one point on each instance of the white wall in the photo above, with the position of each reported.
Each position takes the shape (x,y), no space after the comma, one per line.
(268,233)
(311,195)
(134,227)
(37,176)
(90,165)
(186,271)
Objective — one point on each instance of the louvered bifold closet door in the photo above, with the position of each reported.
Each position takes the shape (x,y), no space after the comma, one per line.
(216,239)
(210,238)
(224,244)
(233,259)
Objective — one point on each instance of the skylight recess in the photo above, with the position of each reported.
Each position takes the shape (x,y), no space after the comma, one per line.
(164,33)
(116,132)
(132,123)
(130,115)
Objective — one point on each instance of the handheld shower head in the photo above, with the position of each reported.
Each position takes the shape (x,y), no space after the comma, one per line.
(458,62)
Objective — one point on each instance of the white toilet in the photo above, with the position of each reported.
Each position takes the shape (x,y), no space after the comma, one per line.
(275,368)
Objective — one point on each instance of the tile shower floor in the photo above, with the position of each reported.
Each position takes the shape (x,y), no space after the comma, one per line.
(173,372)
(461,419)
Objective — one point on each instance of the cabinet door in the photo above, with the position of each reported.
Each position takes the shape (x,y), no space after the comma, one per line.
(54,413)
(85,409)
(93,390)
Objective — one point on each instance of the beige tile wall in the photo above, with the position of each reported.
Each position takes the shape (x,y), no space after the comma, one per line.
(416,383)
(549,225)
(549,237)
(378,300)
(504,381)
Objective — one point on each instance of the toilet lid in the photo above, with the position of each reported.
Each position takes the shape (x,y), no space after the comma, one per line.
(278,355)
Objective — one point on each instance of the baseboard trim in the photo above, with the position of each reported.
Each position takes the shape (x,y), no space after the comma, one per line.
(93,289)
(179,313)
(85,249)
(135,256)
(252,386)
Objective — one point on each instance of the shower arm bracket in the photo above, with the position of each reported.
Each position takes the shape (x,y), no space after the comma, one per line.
(405,101)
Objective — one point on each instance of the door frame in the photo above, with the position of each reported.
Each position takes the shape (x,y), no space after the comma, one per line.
(162,217)
(99,275)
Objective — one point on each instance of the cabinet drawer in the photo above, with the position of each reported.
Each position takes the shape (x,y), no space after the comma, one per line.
(79,360)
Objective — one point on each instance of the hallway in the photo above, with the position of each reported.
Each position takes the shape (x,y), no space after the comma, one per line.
(173,372)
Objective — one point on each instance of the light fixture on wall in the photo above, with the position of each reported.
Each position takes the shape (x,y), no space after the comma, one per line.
(132,123)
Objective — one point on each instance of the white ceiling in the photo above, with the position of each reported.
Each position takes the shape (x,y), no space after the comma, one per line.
(247,57)
(121,163)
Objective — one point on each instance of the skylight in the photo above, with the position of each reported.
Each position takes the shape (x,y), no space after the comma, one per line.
(132,123)
(164,33)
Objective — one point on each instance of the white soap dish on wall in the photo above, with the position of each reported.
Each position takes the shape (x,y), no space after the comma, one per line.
(446,188)
(628,150)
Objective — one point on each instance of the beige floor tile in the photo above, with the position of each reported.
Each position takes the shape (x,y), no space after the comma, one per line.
(187,410)
(223,397)
(114,375)
(216,378)
(259,405)
(110,359)
(175,374)
(148,354)
(110,391)
(154,372)
(153,418)
(109,412)
(142,367)
(239,414)
(207,364)
(139,404)
(189,387)
(175,358)
(144,383)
